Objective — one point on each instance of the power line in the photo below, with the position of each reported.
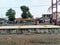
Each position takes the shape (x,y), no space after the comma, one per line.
(28,6)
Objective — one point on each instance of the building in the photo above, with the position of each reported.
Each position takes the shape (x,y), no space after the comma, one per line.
(36,21)
(41,20)
(3,21)
(47,18)
(24,20)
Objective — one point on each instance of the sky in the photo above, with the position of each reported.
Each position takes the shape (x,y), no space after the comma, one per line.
(37,7)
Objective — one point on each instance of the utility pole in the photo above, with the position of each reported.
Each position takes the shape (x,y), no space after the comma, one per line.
(52,11)
(56,13)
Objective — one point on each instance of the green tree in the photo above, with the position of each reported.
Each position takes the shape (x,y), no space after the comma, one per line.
(29,15)
(24,15)
(24,8)
(11,14)
(25,12)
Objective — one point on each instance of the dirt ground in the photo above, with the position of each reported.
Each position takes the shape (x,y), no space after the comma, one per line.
(31,39)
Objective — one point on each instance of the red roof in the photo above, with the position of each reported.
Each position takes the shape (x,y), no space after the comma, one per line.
(18,19)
